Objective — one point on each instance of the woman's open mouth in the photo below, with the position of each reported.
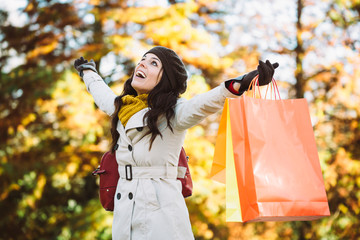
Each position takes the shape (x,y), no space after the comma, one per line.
(140,74)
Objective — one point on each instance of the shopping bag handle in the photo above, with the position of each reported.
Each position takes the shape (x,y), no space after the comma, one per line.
(273,88)
(273,85)
(253,84)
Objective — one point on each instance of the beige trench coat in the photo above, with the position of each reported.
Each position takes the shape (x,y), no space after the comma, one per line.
(153,208)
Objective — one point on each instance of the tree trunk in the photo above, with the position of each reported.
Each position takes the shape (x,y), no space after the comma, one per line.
(300,52)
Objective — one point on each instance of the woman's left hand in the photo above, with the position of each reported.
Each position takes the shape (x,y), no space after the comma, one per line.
(265,70)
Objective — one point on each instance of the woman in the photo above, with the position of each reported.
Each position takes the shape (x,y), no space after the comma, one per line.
(149,122)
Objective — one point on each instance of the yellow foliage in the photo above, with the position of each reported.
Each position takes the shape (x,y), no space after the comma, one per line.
(28,119)
(73,166)
(42,50)
(11,187)
(31,141)
(11,131)
(343,208)
(29,7)
(41,181)
(60,180)
(71,99)
(136,15)
(346,164)
(207,2)
(95,2)
(169,27)
(195,85)
(142,15)
(128,47)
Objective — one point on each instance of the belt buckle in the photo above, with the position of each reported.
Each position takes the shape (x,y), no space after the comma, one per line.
(128,172)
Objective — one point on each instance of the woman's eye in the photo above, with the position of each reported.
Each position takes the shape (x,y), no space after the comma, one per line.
(154,63)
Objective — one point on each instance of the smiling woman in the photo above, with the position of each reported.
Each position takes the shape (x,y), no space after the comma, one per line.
(149,123)
(147,74)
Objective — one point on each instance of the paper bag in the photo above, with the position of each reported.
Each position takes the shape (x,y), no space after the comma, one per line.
(266,154)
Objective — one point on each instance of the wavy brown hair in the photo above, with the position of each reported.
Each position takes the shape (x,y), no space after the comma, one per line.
(161,101)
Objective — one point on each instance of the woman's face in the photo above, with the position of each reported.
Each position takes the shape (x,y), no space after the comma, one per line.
(147,74)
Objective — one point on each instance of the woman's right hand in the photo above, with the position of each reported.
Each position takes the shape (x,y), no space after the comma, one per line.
(81,64)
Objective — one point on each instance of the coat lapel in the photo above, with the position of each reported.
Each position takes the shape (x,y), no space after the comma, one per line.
(121,130)
(137,120)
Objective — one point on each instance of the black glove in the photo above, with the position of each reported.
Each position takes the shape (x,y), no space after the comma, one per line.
(81,64)
(265,71)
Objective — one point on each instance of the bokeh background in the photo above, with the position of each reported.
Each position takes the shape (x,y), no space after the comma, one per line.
(52,135)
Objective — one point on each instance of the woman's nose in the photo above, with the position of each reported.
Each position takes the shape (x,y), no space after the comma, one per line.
(143,64)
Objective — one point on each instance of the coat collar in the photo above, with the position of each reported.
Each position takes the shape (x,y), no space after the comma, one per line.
(137,120)
(134,122)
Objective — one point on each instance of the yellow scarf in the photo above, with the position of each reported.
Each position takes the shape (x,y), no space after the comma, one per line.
(131,105)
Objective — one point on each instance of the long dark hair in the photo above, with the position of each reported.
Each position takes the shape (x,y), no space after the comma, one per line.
(161,101)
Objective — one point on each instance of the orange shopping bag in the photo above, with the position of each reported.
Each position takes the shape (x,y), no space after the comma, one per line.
(266,153)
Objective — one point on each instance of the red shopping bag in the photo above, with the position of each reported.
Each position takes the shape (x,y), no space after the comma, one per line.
(266,151)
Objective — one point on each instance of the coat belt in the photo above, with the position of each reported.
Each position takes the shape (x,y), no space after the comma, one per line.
(166,172)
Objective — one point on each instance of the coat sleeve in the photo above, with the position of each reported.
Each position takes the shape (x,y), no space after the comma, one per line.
(188,113)
(103,95)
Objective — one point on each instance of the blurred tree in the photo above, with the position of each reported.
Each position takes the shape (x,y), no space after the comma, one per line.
(338,119)
(331,83)
(45,141)
(323,49)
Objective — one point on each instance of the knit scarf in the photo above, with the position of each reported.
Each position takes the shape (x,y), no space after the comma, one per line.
(131,105)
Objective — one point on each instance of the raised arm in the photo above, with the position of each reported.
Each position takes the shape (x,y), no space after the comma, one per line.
(103,96)
(191,112)
(188,113)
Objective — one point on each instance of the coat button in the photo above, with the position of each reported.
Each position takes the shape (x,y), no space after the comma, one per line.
(139,129)
(118,196)
(130,148)
(131,195)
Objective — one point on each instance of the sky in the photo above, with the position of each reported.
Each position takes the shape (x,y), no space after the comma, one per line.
(13,6)
(16,19)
